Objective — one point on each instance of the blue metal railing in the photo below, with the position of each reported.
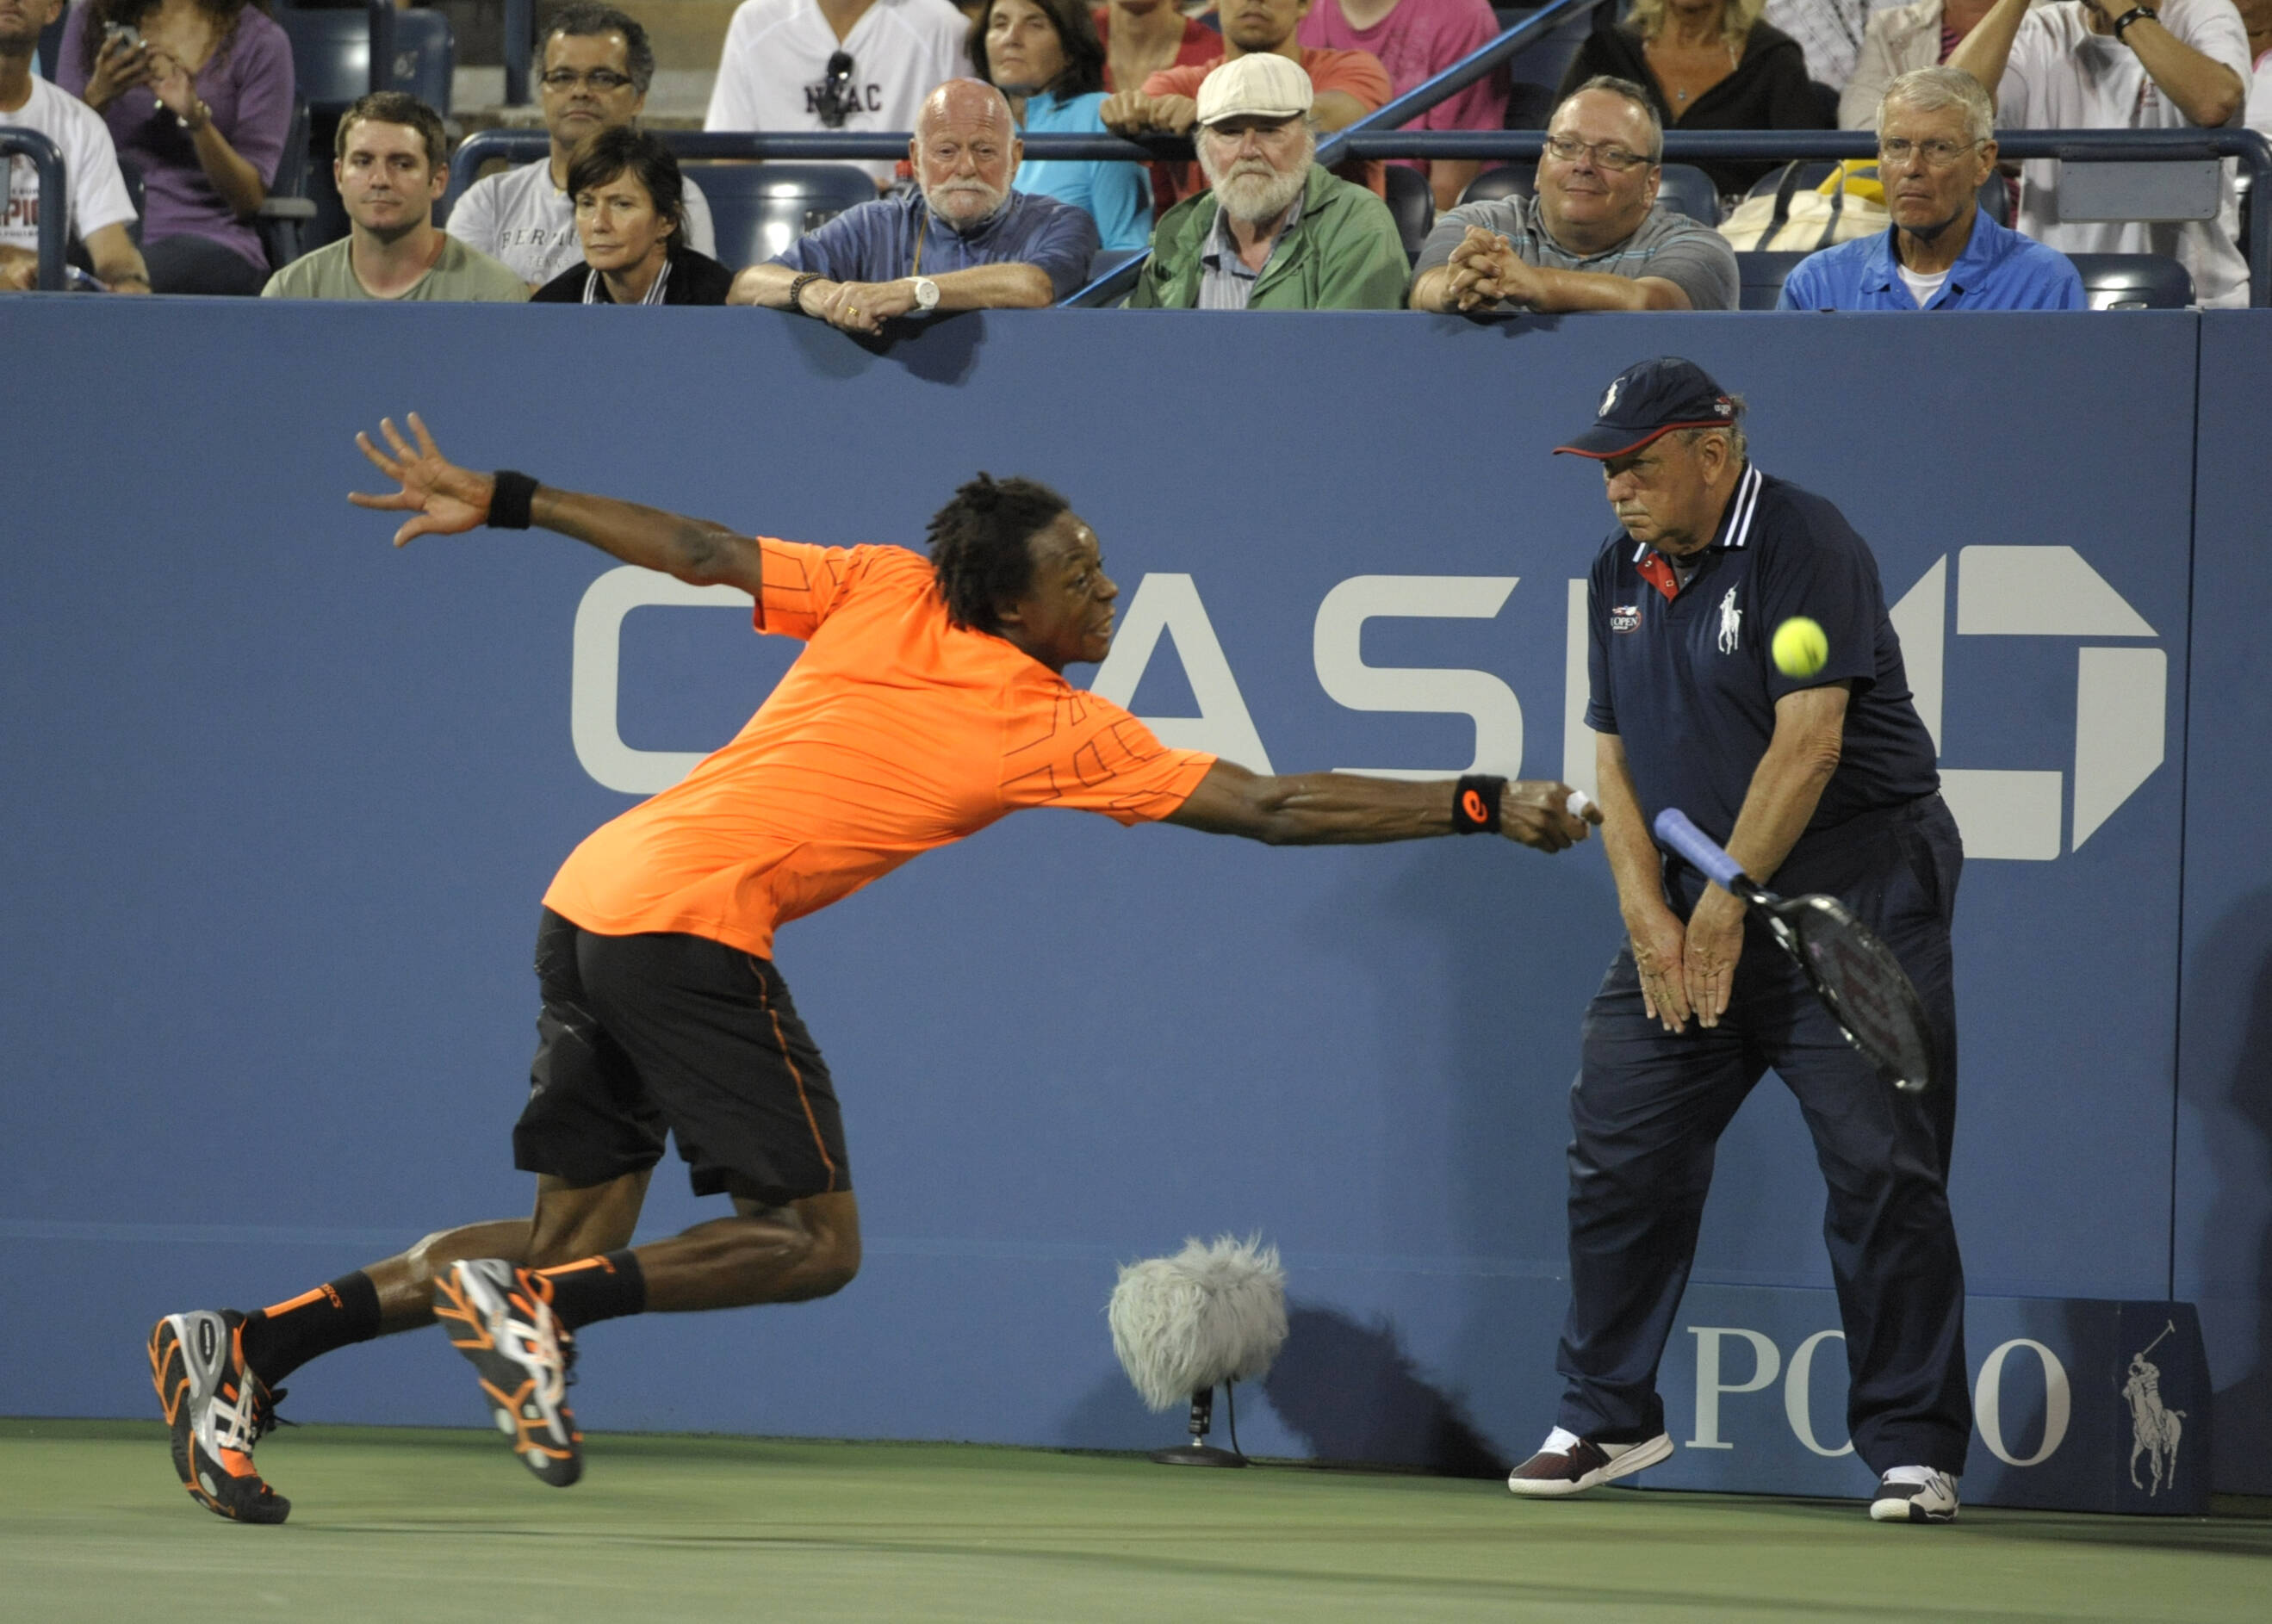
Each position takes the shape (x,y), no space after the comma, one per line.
(518,31)
(54,197)
(2251,150)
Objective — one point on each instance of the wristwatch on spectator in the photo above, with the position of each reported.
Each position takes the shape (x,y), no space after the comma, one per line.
(200,115)
(797,285)
(926,294)
(2135,14)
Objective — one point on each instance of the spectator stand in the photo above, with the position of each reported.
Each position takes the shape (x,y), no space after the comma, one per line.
(48,161)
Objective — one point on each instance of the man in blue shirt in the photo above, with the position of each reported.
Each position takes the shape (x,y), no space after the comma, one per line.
(1822,783)
(962,241)
(1936,145)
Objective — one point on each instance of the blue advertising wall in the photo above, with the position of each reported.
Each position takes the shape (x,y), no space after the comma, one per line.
(281,802)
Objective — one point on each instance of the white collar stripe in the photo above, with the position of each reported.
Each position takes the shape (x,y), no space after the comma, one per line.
(1747,503)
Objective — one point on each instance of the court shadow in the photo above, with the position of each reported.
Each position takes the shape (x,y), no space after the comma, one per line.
(1351,1392)
(1110,1417)
(2228,1011)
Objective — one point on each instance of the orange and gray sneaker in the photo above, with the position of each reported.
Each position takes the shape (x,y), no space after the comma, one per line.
(218,1411)
(500,1317)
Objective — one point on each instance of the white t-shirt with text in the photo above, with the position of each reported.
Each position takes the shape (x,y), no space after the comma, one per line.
(522,220)
(2063,77)
(98,192)
(774,67)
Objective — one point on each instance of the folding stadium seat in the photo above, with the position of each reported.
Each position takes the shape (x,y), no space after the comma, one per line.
(1506,180)
(758,209)
(1414,205)
(1762,274)
(331,56)
(2133,281)
(1687,190)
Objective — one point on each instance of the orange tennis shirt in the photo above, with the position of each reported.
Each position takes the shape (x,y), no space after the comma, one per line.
(895,731)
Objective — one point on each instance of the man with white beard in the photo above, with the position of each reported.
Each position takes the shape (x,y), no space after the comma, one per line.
(1274,231)
(961,241)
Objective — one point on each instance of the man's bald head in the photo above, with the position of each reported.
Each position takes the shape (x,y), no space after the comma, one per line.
(965,150)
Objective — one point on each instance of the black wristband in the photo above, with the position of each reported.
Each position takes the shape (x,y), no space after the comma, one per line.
(797,285)
(509,502)
(2135,14)
(1475,805)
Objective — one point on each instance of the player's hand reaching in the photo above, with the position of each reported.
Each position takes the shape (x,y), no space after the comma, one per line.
(1537,812)
(443,498)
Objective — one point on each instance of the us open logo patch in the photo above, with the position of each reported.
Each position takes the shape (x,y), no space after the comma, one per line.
(1625,617)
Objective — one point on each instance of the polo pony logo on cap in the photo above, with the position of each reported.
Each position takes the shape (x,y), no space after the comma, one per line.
(1610,397)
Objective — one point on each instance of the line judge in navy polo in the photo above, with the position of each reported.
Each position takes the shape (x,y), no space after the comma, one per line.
(1820,783)
(1936,148)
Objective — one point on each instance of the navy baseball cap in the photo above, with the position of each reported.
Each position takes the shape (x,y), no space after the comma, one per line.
(1648,399)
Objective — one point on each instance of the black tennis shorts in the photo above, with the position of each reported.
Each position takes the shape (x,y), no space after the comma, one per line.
(643,1034)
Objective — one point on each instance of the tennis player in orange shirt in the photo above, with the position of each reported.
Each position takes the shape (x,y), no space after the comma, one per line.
(930,701)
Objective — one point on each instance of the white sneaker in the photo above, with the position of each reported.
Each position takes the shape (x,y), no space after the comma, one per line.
(1566,1462)
(1914,1495)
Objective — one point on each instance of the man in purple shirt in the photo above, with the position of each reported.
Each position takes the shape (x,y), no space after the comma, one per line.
(198,98)
(963,241)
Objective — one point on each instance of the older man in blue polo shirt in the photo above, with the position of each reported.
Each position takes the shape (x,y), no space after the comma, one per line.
(962,241)
(1936,145)
(1825,783)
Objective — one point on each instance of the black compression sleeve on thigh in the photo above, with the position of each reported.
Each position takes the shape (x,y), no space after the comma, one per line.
(605,1287)
(1474,808)
(509,502)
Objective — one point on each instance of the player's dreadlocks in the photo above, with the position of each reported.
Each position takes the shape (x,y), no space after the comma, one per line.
(978,545)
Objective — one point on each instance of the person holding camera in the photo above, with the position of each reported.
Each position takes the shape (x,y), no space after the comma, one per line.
(198,95)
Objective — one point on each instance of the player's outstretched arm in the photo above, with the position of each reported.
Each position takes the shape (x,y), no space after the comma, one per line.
(444,499)
(1343,808)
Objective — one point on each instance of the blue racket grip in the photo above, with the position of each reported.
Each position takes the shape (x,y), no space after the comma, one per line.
(1674,829)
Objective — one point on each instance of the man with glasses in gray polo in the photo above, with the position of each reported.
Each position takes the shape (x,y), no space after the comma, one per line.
(593,65)
(1593,237)
(1936,147)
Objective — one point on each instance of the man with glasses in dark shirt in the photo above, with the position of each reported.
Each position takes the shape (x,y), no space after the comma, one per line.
(593,65)
(1593,238)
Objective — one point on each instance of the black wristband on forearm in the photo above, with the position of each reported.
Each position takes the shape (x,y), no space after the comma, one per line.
(1474,807)
(509,504)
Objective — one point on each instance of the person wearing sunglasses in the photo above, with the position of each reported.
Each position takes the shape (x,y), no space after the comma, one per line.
(594,65)
(1936,148)
(836,64)
(1592,238)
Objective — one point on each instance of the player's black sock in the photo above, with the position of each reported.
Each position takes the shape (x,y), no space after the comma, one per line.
(604,1287)
(279,1340)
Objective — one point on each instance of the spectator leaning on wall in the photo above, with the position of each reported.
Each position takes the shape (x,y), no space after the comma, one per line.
(1936,147)
(391,171)
(1593,237)
(2084,64)
(593,65)
(98,209)
(852,65)
(962,241)
(1275,230)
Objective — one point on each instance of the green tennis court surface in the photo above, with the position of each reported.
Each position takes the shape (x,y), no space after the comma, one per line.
(445,1525)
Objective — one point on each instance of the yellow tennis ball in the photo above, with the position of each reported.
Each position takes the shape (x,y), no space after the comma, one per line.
(1800,647)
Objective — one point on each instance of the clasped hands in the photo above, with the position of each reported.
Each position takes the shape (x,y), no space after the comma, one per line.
(1484,270)
(1688,969)
(857,307)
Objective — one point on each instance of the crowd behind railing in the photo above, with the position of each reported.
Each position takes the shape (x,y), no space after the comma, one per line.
(1278,154)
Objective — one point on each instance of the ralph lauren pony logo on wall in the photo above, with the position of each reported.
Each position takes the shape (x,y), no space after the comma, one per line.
(2078,1405)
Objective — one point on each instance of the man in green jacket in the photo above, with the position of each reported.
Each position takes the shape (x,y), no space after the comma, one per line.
(1274,231)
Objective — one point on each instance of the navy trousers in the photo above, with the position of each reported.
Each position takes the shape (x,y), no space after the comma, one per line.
(1648,1111)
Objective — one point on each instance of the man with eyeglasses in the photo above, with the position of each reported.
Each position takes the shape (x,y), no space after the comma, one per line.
(836,64)
(593,65)
(2113,64)
(1592,238)
(1936,147)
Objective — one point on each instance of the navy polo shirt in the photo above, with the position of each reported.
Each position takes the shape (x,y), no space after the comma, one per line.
(1683,678)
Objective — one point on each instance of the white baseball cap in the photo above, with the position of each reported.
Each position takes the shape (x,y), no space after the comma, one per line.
(1255,86)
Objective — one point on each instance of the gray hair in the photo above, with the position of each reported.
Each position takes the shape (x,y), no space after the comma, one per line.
(1632,93)
(1733,430)
(1931,89)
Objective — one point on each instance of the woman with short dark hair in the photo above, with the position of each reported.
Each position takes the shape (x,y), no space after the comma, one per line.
(1044,57)
(630,216)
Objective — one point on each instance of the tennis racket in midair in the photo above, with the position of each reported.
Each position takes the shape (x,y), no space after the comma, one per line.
(1855,975)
